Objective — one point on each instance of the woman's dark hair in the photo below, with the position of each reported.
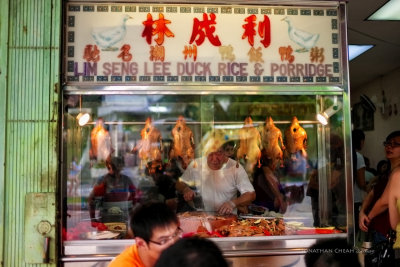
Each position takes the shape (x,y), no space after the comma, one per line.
(392,135)
(381,164)
(265,160)
(357,137)
(192,252)
(151,215)
(116,163)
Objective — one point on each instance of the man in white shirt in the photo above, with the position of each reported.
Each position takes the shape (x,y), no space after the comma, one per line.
(218,179)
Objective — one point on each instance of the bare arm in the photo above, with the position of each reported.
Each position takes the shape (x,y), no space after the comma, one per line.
(181,187)
(394,193)
(242,201)
(245,199)
(274,186)
(363,219)
(92,208)
(360,179)
(381,204)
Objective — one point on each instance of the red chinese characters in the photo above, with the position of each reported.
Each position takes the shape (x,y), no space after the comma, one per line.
(157,53)
(156,27)
(264,30)
(159,28)
(148,28)
(91,53)
(203,29)
(249,31)
(125,55)
(190,51)
(286,53)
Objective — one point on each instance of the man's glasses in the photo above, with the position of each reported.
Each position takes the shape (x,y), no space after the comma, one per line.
(392,144)
(178,234)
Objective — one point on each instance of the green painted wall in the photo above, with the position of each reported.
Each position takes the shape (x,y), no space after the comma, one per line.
(30,40)
(3,82)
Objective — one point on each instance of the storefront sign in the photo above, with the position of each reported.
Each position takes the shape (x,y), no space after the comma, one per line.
(199,44)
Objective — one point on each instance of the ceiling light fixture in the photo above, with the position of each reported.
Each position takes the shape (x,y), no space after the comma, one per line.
(326,114)
(83,117)
(356,50)
(389,11)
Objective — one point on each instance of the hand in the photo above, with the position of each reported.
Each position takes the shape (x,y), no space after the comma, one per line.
(188,194)
(243,209)
(363,221)
(227,208)
(281,204)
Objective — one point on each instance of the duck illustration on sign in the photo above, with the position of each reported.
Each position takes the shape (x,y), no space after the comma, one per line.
(304,39)
(107,37)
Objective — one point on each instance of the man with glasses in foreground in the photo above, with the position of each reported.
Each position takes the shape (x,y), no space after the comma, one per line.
(155,227)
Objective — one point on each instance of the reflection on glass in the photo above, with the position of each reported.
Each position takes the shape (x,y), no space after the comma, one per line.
(137,147)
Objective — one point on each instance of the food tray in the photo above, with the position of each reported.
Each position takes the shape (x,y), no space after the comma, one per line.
(116,227)
(101,235)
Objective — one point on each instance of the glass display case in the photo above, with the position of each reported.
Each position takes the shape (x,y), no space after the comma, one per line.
(137,134)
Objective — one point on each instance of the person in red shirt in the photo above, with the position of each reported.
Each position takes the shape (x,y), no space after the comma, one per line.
(155,227)
(113,196)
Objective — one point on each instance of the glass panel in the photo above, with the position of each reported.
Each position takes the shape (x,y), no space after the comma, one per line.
(136,148)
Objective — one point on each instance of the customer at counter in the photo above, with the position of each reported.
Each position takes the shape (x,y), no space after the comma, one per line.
(114,194)
(155,227)
(269,191)
(217,179)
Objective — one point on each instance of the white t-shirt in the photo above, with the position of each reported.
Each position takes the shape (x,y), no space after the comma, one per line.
(358,193)
(217,187)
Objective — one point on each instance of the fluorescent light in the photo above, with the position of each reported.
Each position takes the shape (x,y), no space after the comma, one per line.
(228,126)
(356,50)
(389,11)
(232,126)
(160,109)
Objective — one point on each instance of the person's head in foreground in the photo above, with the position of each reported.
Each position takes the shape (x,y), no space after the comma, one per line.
(193,252)
(333,252)
(155,227)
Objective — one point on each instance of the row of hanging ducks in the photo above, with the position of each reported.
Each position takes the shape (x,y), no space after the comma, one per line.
(252,143)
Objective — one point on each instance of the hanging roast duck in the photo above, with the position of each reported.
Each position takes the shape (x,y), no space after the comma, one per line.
(149,147)
(249,146)
(272,141)
(296,139)
(182,148)
(100,140)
